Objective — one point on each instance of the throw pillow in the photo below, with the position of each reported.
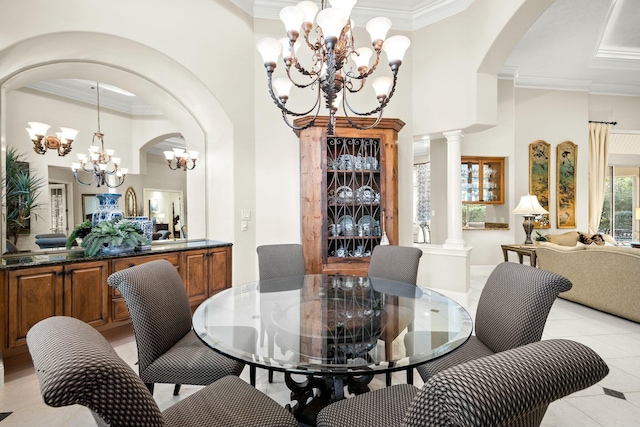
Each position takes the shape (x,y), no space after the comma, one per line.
(588,239)
(584,238)
(566,239)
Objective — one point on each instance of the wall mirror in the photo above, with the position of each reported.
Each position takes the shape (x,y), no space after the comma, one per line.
(166,209)
(90,204)
(130,203)
(36,103)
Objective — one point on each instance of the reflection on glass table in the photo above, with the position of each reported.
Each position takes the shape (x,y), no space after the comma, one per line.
(335,330)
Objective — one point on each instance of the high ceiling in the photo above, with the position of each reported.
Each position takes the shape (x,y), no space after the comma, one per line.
(591,46)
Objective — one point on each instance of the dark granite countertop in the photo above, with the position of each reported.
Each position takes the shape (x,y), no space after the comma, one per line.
(60,257)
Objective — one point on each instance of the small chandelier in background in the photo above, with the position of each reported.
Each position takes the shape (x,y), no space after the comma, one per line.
(184,159)
(331,52)
(97,162)
(42,142)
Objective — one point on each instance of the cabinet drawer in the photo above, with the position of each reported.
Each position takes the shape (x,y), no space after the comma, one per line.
(119,310)
(121,264)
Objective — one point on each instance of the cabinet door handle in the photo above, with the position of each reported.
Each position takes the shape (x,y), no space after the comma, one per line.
(59,273)
(131,264)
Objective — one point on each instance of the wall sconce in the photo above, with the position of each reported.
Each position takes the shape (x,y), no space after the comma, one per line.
(42,142)
(529,207)
(184,159)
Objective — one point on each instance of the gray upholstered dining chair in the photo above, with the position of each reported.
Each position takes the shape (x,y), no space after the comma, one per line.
(400,264)
(168,349)
(512,311)
(275,261)
(76,365)
(511,388)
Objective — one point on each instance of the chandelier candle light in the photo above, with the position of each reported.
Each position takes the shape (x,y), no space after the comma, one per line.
(529,207)
(42,142)
(184,159)
(97,162)
(331,51)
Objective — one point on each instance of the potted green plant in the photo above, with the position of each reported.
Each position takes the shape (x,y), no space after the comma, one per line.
(80,232)
(22,188)
(113,237)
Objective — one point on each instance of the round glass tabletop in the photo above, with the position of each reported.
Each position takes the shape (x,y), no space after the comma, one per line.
(329,324)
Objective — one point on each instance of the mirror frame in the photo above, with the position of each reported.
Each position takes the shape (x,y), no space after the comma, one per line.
(130,203)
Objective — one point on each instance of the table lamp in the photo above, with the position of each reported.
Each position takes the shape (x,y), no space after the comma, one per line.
(529,207)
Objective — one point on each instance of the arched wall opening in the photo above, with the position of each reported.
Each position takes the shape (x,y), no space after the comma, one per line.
(175,91)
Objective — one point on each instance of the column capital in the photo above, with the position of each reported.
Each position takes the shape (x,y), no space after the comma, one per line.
(454,135)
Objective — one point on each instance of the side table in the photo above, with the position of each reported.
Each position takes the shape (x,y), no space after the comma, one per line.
(528,250)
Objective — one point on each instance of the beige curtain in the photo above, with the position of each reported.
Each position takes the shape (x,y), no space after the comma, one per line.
(598,166)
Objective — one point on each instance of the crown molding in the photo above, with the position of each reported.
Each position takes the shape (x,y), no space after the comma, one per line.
(406,18)
(429,12)
(534,82)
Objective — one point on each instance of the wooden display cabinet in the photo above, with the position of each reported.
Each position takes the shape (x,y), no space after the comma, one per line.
(349,182)
(482,180)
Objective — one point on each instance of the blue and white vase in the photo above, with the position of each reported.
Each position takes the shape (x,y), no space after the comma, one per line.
(108,209)
(145,225)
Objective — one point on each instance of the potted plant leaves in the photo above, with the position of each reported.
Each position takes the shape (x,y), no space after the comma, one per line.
(22,190)
(113,237)
(80,232)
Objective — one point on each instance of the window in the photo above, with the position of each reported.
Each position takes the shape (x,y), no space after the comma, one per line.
(620,200)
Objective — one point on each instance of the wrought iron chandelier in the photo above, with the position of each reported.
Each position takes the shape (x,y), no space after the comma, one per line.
(183,159)
(97,163)
(43,142)
(330,53)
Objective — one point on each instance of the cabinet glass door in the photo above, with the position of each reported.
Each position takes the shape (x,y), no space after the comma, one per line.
(353,187)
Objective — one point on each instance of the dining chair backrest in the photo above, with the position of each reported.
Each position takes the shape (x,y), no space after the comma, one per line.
(514,305)
(399,263)
(280,260)
(512,388)
(76,365)
(158,306)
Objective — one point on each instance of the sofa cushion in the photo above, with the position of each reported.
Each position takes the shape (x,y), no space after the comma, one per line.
(570,238)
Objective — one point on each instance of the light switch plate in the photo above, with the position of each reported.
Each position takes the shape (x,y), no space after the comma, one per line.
(246,215)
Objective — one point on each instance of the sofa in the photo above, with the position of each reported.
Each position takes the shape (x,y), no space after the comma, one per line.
(604,277)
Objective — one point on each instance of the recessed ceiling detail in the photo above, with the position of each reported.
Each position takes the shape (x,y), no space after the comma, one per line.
(111,97)
(591,46)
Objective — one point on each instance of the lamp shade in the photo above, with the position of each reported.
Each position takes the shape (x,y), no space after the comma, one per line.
(529,205)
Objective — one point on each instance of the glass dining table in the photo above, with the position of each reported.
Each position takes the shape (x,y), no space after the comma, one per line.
(335,331)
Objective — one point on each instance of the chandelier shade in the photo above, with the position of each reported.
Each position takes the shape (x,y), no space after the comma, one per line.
(100,163)
(331,75)
(42,142)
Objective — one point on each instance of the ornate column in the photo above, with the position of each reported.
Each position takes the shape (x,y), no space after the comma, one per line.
(454,188)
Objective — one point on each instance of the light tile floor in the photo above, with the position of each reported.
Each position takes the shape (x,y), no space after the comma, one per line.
(615,339)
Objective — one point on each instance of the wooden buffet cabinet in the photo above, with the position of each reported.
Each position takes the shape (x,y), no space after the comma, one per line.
(40,286)
(349,186)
